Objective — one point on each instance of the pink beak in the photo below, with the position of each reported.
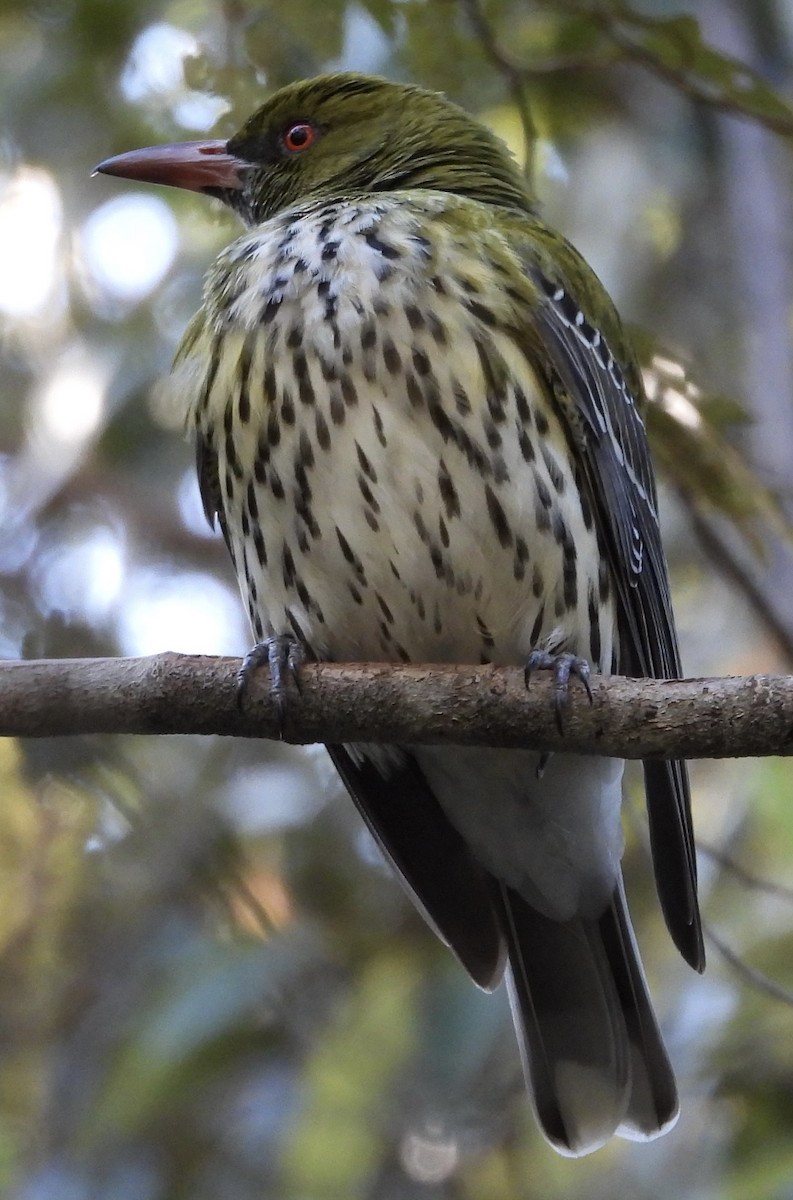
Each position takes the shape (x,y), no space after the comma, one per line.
(198,166)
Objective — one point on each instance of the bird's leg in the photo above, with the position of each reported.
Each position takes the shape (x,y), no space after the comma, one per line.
(284,655)
(563,666)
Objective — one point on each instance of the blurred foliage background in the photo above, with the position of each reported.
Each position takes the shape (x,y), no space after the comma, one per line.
(210,985)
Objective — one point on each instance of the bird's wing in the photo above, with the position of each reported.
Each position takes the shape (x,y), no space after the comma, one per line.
(597,398)
(451,890)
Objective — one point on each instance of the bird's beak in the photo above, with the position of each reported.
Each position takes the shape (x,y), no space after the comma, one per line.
(198,166)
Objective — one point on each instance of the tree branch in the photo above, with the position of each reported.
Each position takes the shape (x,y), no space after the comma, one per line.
(174,693)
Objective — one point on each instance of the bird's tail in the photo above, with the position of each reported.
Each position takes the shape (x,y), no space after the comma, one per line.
(592,1051)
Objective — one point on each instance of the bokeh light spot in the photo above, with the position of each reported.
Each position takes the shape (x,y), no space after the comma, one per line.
(83,577)
(71,400)
(155,74)
(155,61)
(128,244)
(431,1155)
(187,611)
(30,225)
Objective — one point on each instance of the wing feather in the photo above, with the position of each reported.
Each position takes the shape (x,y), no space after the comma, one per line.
(598,400)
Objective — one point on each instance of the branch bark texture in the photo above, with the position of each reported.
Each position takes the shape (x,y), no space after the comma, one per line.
(173,693)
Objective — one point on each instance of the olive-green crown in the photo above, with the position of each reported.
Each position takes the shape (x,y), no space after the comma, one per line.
(372,135)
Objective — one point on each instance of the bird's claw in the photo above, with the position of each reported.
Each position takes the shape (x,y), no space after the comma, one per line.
(284,656)
(563,666)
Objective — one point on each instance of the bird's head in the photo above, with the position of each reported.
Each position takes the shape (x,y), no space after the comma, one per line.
(333,137)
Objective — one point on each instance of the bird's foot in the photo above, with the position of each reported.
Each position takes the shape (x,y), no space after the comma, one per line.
(563,666)
(284,656)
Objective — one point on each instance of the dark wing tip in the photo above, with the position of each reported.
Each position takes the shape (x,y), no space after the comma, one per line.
(674,856)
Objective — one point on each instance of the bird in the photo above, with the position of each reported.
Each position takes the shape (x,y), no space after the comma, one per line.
(418,423)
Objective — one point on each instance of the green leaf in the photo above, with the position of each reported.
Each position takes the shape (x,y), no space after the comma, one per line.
(673,48)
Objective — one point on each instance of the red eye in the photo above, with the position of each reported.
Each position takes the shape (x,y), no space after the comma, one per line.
(299,137)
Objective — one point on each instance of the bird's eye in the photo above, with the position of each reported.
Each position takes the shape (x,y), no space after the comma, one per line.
(299,137)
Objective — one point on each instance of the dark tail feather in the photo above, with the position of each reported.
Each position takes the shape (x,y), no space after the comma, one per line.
(653,1105)
(591,1048)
